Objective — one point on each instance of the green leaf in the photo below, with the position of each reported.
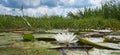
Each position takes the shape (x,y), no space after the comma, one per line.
(28,37)
(100,44)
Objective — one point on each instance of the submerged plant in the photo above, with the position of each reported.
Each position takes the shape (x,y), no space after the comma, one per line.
(66,38)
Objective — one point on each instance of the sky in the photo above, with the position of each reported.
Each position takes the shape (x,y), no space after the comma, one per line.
(50,7)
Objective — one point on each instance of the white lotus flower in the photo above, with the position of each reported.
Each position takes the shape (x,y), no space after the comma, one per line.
(66,38)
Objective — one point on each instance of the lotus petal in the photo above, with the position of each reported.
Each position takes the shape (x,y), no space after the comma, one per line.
(66,37)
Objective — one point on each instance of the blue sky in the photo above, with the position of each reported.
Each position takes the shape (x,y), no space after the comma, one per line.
(42,7)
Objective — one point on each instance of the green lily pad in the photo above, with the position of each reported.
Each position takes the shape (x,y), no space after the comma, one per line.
(28,37)
(112,38)
(100,43)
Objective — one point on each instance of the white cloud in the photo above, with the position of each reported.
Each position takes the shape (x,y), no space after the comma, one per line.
(36,11)
(74,3)
(4,10)
(31,2)
(57,10)
(70,2)
(95,2)
(50,11)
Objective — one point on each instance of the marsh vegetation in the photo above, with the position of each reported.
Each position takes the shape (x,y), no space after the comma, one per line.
(23,35)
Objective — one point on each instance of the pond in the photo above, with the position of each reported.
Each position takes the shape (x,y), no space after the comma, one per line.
(12,44)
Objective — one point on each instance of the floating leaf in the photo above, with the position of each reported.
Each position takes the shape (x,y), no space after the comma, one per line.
(100,44)
(28,37)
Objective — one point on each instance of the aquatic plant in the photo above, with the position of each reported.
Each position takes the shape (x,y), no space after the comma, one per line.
(103,30)
(28,37)
(66,38)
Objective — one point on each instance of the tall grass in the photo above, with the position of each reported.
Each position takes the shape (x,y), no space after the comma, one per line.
(108,10)
(57,22)
(108,16)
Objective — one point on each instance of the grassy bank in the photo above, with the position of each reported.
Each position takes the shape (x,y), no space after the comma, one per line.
(11,22)
(108,16)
